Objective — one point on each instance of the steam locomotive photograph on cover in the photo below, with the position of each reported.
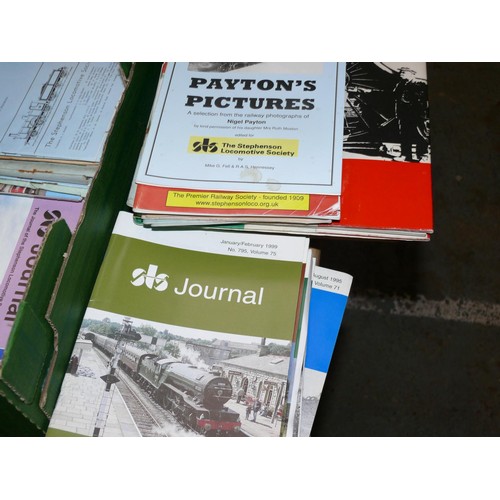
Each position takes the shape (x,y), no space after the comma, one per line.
(127,377)
(387,112)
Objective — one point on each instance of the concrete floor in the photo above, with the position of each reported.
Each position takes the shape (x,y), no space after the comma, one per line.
(418,353)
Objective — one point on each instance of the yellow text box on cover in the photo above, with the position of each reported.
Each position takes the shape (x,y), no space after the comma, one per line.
(244,146)
(212,199)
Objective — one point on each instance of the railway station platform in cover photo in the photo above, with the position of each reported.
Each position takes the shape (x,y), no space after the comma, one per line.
(84,409)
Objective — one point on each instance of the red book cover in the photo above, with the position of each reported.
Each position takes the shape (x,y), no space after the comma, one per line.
(386,170)
(379,194)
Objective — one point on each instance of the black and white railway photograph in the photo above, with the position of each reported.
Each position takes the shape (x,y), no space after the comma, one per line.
(127,377)
(386,113)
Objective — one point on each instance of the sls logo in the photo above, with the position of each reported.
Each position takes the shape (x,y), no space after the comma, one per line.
(150,278)
(205,146)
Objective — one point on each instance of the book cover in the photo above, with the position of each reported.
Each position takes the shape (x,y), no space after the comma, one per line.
(56,113)
(180,321)
(23,225)
(256,127)
(329,294)
(386,169)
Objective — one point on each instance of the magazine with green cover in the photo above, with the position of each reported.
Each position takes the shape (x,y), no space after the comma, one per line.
(186,333)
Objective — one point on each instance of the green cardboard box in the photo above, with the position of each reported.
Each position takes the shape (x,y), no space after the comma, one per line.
(50,315)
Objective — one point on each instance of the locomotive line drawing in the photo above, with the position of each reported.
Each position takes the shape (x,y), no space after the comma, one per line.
(195,397)
(39,109)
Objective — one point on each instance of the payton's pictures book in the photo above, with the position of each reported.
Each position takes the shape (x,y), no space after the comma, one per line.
(244,139)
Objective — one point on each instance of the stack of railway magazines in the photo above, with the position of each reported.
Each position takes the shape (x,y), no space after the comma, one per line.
(54,123)
(201,333)
(324,150)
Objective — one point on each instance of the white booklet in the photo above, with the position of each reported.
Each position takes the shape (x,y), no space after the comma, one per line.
(261,127)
